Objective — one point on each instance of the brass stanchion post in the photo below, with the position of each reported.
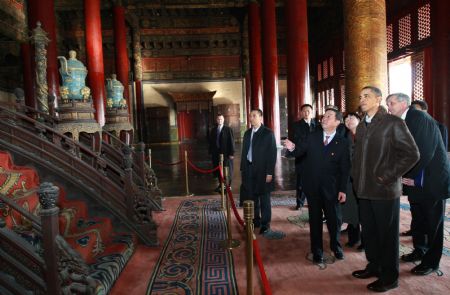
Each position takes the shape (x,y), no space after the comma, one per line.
(248,217)
(222,183)
(188,194)
(229,243)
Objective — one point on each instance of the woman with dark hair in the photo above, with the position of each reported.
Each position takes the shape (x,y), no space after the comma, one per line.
(350,212)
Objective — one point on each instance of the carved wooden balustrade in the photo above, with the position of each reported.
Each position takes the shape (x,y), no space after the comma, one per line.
(111,184)
(55,268)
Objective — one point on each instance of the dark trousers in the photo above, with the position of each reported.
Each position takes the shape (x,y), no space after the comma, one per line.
(300,196)
(380,232)
(427,226)
(316,205)
(263,209)
(354,233)
(227,162)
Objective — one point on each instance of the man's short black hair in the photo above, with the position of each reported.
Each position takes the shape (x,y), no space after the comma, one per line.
(220,115)
(337,113)
(421,103)
(257,110)
(374,89)
(305,105)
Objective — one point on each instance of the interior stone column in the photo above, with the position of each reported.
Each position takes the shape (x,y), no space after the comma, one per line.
(365,48)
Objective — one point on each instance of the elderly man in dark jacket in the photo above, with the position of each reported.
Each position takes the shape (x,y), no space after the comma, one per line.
(384,151)
(427,185)
(259,155)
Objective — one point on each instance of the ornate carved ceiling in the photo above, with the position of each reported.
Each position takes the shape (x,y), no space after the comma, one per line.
(180,39)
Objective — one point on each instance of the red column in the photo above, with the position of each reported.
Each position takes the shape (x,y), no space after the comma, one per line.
(440,32)
(297,59)
(254,32)
(94,53)
(248,92)
(44,12)
(120,42)
(270,63)
(28,82)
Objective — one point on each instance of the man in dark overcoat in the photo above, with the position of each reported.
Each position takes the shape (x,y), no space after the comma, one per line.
(302,129)
(259,154)
(427,185)
(221,141)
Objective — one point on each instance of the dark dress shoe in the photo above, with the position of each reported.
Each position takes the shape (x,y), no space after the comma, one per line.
(423,270)
(317,259)
(364,274)
(406,233)
(218,189)
(380,286)
(263,230)
(411,257)
(339,255)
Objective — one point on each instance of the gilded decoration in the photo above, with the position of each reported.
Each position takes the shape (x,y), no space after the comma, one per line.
(76,128)
(40,40)
(365,48)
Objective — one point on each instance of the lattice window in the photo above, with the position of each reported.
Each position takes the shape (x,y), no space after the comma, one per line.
(332,100)
(319,72)
(331,67)
(319,100)
(325,69)
(328,97)
(417,64)
(404,28)
(389,39)
(342,86)
(323,103)
(424,22)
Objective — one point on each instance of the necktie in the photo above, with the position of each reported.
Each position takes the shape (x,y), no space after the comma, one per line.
(325,142)
(218,137)
(249,154)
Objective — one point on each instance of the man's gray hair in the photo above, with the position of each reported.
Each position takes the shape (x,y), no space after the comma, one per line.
(400,97)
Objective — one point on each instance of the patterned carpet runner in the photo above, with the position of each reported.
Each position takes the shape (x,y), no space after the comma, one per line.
(192,261)
(105,251)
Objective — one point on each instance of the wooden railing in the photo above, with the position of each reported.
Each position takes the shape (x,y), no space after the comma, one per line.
(99,177)
(53,268)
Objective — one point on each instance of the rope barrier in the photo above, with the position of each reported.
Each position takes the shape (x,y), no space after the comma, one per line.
(262,271)
(257,253)
(202,170)
(167,164)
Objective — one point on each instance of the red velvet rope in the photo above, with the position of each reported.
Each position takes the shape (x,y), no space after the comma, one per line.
(262,271)
(233,206)
(167,164)
(257,253)
(202,170)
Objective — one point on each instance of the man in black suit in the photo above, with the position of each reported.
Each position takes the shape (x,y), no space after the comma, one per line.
(259,154)
(422,105)
(427,185)
(302,129)
(327,160)
(221,141)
